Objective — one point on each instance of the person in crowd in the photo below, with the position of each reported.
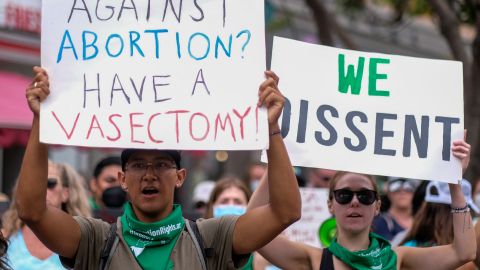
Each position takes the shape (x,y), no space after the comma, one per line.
(433,225)
(201,195)
(354,200)
(65,192)
(152,234)
(230,196)
(104,177)
(399,216)
(4,265)
(107,197)
(319,178)
(255,172)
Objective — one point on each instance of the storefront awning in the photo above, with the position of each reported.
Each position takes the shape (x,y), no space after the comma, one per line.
(14,111)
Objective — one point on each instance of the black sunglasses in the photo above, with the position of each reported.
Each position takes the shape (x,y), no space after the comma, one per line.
(364,196)
(51,183)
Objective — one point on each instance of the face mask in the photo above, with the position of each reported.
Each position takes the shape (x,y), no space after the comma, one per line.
(477,199)
(114,197)
(254,184)
(225,209)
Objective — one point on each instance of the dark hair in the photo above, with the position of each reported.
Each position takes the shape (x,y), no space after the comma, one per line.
(223,184)
(174,154)
(108,161)
(432,225)
(3,252)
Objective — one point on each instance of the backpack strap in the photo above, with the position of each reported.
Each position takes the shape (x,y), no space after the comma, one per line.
(203,253)
(107,252)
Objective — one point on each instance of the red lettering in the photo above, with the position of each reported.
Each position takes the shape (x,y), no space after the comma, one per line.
(191,126)
(94,120)
(132,126)
(68,134)
(119,133)
(223,126)
(241,119)
(177,112)
(22,18)
(149,133)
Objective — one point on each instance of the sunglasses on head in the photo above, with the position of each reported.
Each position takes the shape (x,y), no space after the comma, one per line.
(52,183)
(364,196)
(398,185)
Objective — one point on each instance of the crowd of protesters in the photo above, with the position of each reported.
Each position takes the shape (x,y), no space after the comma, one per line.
(130,220)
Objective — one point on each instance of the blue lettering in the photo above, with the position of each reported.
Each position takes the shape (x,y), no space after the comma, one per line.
(107,45)
(207,50)
(157,43)
(91,44)
(220,42)
(133,43)
(66,36)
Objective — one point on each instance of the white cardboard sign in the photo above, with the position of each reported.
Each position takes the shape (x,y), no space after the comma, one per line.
(314,213)
(154,74)
(368,112)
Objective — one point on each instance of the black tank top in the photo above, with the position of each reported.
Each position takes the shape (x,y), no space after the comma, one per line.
(327,260)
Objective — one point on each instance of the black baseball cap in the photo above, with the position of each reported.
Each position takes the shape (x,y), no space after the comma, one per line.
(174,154)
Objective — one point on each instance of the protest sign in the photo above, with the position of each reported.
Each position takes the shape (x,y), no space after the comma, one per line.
(370,113)
(314,213)
(154,74)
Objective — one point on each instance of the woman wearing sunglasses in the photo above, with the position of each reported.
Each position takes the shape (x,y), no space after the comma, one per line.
(399,215)
(65,191)
(354,201)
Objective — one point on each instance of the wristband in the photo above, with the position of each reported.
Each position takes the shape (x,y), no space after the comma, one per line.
(464,209)
(275,133)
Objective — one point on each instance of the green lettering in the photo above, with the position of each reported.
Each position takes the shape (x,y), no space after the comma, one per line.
(350,80)
(373,76)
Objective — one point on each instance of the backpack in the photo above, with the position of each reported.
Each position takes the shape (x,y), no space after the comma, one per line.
(192,229)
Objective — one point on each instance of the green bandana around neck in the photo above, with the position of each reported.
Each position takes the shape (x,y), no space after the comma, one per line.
(152,243)
(378,256)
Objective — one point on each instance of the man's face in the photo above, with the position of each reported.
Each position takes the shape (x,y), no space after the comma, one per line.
(106,179)
(150,178)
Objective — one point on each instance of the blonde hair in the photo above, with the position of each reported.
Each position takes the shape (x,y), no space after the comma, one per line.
(76,205)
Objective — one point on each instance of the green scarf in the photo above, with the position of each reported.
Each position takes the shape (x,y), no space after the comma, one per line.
(152,243)
(379,256)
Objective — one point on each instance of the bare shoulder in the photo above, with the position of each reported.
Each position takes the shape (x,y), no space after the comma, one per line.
(315,256)
(401,252)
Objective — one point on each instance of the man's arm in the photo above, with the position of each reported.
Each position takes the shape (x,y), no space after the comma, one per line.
(55,228)
(259,226)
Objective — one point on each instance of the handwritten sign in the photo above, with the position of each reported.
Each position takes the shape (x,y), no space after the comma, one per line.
(370,113)
(154,74)
(314,213)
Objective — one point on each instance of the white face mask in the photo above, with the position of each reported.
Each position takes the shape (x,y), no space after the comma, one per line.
(254,184)
(477,199)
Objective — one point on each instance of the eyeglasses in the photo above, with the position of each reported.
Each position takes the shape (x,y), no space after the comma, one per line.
(397,185)
(52,183)
(139,168)
(365,196)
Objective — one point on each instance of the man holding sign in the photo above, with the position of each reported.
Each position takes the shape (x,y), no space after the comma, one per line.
(151,234)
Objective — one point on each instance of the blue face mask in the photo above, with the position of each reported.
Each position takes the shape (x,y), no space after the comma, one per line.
(226,209)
